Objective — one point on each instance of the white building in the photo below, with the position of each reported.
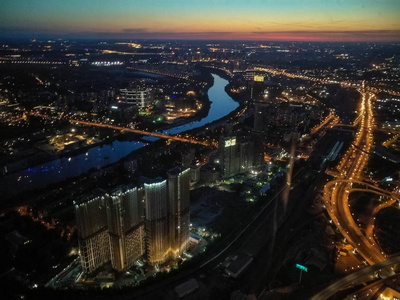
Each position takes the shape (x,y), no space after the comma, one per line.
(140,98)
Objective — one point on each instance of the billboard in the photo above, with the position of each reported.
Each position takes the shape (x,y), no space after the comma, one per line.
(230,142)
(259,78)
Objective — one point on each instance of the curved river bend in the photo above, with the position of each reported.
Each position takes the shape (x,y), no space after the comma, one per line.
(100,156)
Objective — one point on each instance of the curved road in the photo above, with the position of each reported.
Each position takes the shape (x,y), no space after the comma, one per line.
(336,192)
(355,277)
(336,197)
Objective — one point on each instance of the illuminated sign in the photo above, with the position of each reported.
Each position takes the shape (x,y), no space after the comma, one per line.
(231,142)
(303,268)
(259,78)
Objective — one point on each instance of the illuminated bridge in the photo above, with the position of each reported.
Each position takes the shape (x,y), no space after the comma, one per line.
(148,133)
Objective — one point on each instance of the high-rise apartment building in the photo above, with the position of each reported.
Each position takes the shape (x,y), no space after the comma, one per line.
(262,116)
(246,154)
(91,218)
(229,158)
(272,114)
(128,222)
(111,228)
(178,207)
(125,226)
(239,155)
(156,224)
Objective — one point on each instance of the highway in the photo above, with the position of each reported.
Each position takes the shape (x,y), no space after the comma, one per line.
(336,197)
(343,83)
(369,232)
(355,278)
(332,117)
(373,290)
(336,201)
(336,192)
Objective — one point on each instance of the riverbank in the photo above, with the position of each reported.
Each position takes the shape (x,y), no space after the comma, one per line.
(204,99)
(243,102)
(105,155)
(42,157)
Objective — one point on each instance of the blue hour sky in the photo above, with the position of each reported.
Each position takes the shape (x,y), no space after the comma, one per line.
(345,20)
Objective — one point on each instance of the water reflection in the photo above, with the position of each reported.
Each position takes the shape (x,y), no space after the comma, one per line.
(100,156)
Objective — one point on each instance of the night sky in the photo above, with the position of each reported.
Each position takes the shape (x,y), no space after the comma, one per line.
(307,20)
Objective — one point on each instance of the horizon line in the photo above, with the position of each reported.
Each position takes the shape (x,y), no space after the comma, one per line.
(72,38)
(290,35)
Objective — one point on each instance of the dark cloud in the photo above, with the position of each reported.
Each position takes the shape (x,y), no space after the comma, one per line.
(144,33)
(349,32)
(329,35)
(134,30)
(205,33)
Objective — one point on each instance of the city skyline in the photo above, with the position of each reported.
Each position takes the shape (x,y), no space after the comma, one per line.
(207,20)
(216,149)
(155,168)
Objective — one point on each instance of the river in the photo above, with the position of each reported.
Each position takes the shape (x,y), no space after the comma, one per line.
(97,157)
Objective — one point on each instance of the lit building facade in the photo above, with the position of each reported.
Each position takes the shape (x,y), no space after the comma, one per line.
(156,224)
(129,222)
(125,226)
(91,219)
(254,75)
(111,228)
(140,97)
(179,209)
